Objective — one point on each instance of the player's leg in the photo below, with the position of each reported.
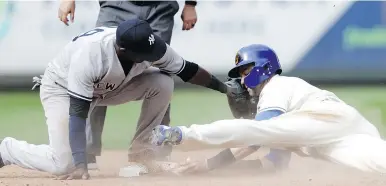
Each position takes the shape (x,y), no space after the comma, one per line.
(94,130)
(155,89)
(364,150)
(360,151)
(56,157)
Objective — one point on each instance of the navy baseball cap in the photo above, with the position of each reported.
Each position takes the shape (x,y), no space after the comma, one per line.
(138,42)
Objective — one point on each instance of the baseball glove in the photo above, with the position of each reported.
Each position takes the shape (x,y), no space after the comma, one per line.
(242,105)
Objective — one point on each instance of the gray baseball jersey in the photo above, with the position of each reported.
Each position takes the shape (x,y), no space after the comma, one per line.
(89,66)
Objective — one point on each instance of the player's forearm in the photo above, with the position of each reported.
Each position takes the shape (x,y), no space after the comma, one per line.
(229,156)
(77,130)
(78,140)
(195,74)
(241,153)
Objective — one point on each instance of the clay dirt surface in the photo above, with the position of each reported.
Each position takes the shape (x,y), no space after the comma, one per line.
(302,171)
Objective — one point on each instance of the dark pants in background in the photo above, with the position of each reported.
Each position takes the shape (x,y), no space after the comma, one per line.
(160,16)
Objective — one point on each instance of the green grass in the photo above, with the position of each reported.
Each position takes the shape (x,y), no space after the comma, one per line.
(21,114)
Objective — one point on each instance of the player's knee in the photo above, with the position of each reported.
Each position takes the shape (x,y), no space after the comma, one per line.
(164,85)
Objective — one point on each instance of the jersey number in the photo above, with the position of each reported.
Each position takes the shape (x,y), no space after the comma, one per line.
(92,32)
(89,33)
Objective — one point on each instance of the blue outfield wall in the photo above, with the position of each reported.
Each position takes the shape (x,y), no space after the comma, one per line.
(353,49)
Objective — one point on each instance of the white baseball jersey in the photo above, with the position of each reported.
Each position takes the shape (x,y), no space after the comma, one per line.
(289,94)
(89,67)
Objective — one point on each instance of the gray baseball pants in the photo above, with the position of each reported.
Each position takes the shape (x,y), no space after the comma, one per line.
(161,18)
(153,87)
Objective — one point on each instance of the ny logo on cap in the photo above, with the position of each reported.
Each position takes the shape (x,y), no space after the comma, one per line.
(151,39)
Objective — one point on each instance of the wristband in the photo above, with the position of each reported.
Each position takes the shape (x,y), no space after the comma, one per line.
(216,84)
(192,3)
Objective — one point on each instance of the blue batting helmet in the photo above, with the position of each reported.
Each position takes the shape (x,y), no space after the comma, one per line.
(265,60)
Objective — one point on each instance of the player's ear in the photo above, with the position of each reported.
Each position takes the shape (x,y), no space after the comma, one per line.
(119,49)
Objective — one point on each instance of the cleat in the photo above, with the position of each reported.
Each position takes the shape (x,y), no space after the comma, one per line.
(164,135)
(91,162)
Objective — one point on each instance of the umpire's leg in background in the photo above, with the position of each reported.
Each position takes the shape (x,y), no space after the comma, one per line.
(160,15)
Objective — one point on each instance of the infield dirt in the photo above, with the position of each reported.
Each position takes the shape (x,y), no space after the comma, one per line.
(302,171)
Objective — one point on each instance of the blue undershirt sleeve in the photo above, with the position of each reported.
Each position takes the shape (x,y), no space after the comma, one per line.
(279,158)
(79,109)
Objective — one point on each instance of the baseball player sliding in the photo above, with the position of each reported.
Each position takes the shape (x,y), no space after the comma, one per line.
(291,115)
(104,66)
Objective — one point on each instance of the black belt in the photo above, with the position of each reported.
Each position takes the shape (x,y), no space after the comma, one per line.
(145,3)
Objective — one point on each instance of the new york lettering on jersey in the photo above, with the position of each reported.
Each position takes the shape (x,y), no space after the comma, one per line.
(104,86)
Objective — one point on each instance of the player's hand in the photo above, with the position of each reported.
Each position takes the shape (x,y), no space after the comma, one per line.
(66,7)
(189,17)
(80,173)
(191,167)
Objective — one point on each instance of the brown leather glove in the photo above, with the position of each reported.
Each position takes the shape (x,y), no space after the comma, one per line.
(242,105)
